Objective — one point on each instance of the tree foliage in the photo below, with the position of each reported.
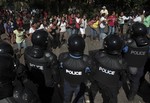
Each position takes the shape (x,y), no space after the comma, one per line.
(135,4)
(59,5)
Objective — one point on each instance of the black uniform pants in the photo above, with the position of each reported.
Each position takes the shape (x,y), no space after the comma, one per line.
(146,69)
(109,94)
(45,94)
(135,80)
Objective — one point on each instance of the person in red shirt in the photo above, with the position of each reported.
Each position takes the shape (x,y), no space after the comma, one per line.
(71,24)
(19,21)
(111,23)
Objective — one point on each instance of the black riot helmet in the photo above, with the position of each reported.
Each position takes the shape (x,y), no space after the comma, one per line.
(36,52)
(6,48)
(113,44)
(40,38)
(138,29)
(76,45)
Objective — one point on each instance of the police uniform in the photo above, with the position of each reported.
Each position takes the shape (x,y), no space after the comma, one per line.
(74,68)
(109,69)
(136,58)
(9,70)
(136,54)
(146,68)
(7,75)
(42,65)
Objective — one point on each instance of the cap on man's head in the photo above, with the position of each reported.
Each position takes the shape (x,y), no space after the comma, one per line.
(104,7)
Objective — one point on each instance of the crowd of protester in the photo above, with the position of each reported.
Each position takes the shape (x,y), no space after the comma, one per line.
(19,25)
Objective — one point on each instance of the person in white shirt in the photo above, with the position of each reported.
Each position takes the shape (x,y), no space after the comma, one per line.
(137,18)
(121,21)
(104,10)
(83,26)
(43,25)
(63,29)
(32,29)
(103,23)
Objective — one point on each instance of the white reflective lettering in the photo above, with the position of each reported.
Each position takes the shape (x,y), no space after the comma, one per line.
(138,52)
(110,72)
(73,72)
(37,66)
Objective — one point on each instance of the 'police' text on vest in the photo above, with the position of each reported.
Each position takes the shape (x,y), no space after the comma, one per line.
(138,52)
(37,66)
(73,72)
(107,71)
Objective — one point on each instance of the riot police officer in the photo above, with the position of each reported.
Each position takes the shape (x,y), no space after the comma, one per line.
(146,67)
(9,72)
(75,65)
(110,66)
(136,53)
(42,65)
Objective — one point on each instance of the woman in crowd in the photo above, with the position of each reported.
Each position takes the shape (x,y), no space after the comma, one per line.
(111,23)
(103,23)
(83,25)
(63,25)
(121,21)
(94,24)
(20,38)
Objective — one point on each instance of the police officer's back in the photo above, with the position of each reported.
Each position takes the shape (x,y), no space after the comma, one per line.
(7,70)
(10,91)
(136,54)
(42,65)
(109,68)
(75,66)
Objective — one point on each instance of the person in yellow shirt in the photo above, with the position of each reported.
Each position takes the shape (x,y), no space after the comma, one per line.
(20,38)
(95,28)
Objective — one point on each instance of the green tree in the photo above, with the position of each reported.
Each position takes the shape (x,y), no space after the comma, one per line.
(134,4)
